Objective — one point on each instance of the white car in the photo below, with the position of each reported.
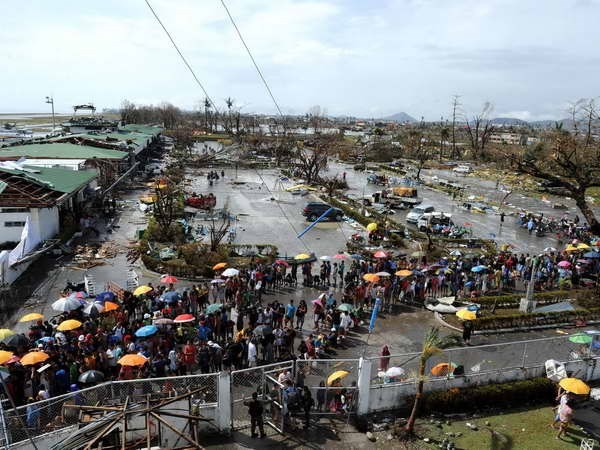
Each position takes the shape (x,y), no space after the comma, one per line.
(417,212)
(462,169)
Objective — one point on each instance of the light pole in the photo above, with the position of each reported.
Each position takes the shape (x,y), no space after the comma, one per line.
(50,100)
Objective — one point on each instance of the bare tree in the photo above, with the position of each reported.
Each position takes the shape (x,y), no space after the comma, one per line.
(418,148)
(572,160)
(217,230)
(316,117)
(455,109)
(165,207)
(310,162)
(479,129)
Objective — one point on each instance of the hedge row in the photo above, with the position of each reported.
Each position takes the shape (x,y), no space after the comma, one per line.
(492,396)
(543,298)
(536,319)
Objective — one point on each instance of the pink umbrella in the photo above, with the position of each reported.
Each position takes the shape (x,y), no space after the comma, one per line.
(317,301)
(564,264)
(168,279)
(340,256)
(380,254)
(282,262)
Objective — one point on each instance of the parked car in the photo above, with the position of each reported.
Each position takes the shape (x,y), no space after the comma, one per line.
(313,210)
(462,169)
(417,212)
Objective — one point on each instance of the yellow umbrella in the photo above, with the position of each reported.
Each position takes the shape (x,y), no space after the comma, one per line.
(465,314)
(575,386)
(302,256)
(5,332)
(337,375)
(220,266)
(404,273)
(31,317)
(69,325)
(148,200)
(32,358)
(571,248)
(371,277)
(372,226)
(141,290)
(132,360)
(582,246)
(5,356)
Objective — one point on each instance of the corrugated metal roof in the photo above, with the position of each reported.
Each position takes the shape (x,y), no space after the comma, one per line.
(56,178)
(62,150)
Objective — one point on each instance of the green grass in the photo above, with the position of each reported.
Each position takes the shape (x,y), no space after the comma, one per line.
(526,430)
(594,192)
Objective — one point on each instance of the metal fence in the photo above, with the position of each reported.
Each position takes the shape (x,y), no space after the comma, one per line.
(479,359)
(53,414)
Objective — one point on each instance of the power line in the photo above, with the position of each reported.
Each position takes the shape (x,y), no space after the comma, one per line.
(180,54)
(252,58)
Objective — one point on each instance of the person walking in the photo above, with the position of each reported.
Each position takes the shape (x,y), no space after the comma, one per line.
(307,404)
(502,218)
(290,312)
(255,409)
(565,414)
(300,314)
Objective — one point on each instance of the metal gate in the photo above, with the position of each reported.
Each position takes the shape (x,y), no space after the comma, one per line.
(262,380)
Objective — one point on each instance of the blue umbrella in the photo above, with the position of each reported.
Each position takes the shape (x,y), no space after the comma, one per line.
(105,296)
(45,340)
(592,255)
(469,284)
(478,269)
(356,256)
(170,297)
(146,331)
(473,308)
(417,273)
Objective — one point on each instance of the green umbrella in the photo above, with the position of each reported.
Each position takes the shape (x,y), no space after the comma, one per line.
(213,308)
(581,338)
(347,307)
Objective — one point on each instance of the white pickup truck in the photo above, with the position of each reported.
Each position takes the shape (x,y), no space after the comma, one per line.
(432,219)
(462,169)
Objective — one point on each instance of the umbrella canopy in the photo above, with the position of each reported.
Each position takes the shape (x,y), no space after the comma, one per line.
(168,279)
(380,254)
(32,358)
(582,246)
(592,255)
(184,318)
(69,325)
(105,296)
(45,340)
(340,256)
(93,308)
(465,314)
(441,369)
(5,356)
(575,386)
(231,272)
(132,360)
(581,338)
(110,306)
(337,375)
(347,307)
(16,340)
(372,226)
(383,274)
(325,258)
(355,256)
(220,266)
(282,262)
(91,376)
(455,253)
(31,317)
(146,331)
(371,277)
(66,304)
(404,273)
(302,256)
(212,308)
(394,372)
(564,264)
(317,301)
(571,248)
(549,249)
(218,281)
(263,330)
(5,332)
(478,269)
(141,290)
(170,297)
(163,321)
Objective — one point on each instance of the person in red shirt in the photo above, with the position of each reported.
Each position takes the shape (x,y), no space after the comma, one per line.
(189,356)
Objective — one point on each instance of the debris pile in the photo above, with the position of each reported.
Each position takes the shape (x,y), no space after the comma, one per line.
(91,255)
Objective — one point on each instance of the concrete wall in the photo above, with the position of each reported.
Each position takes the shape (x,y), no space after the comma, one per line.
(43,220)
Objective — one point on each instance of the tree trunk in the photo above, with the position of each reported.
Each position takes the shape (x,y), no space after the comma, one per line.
(590,217)
(410,425)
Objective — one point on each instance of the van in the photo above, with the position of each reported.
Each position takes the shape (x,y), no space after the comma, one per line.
(417,212)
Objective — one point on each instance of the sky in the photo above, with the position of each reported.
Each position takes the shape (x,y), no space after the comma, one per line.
(365,58)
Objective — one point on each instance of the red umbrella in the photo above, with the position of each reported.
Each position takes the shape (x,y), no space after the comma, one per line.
(168,279)
(380,254)
(282,262)
(184,318)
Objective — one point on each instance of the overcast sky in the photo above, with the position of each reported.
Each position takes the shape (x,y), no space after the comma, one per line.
(368,58)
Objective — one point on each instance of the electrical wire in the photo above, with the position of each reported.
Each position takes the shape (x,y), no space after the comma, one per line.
(252,58)
(181,55)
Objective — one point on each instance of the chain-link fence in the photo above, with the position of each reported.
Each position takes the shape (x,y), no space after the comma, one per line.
(53,414)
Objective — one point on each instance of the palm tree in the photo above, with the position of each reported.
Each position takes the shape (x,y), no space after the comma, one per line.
(431,347)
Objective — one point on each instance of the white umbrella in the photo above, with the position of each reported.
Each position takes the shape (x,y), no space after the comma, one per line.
(455,253)
(549,249)
(93,308)
(325,258)
(231,272)
(218,281)
(383,274)
(66,304)
(163,321)
(394,372)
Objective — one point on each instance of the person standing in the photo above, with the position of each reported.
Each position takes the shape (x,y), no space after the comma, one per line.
(252,353)
(565,415)
(255,409)
(307,404)
(384,360)
(290,312)
(467,331)
(502,218)
(300,314)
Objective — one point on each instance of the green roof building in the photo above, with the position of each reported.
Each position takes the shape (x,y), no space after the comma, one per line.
(60,150)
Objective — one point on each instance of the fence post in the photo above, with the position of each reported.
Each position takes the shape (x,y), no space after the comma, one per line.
(364,386)
(524,356)
(223,415)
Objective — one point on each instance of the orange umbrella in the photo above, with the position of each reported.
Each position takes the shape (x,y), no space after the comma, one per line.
(404,273)
(220,266)
(132,360)
(32,358)
(442,369)
(371,277)
(5,356)
(110,306)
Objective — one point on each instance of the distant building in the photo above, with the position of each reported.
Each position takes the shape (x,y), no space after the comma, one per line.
(508,138)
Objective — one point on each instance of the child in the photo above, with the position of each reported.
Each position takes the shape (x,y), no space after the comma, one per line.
(321,396)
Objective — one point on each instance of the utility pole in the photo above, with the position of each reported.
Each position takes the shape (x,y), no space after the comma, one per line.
(455,106)
(50,100)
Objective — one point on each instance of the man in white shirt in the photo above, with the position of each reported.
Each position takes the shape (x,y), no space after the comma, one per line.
(252,353)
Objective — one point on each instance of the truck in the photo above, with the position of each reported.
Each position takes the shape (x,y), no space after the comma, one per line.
(434,220)
(396,197)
